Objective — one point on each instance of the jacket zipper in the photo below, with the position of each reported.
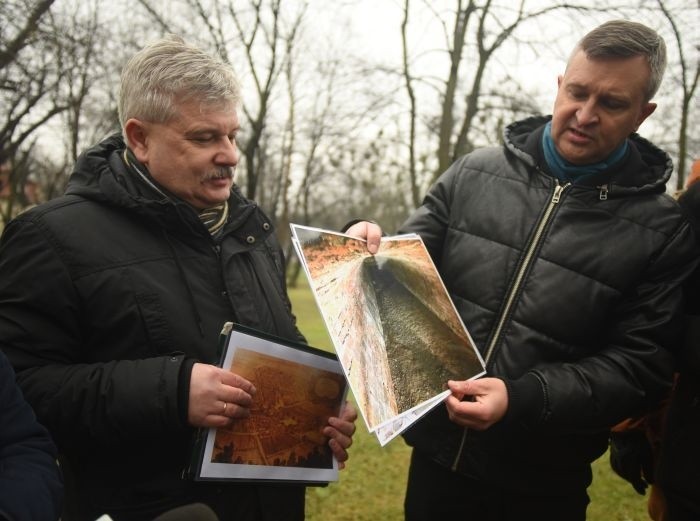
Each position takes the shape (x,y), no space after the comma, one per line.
(603,192)
(529,257)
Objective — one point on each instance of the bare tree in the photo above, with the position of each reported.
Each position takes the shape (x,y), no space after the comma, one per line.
(21,21)
(281,188)
(276,40)
(29,81)
(490,25)
(29,88)
(413,109)
(477,94)
(78,67)
(688,80)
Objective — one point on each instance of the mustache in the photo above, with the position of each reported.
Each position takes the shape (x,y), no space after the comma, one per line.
(220,173)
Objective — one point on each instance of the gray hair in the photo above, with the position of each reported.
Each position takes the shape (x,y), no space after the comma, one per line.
(625,39)
(170,71)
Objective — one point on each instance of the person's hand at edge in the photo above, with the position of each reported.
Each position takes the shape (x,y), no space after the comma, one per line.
(340,431)
(369,231)
(631,458)
(217,397)
(477,404)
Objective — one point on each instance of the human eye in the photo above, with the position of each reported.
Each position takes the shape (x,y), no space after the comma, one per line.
(201,138)
(577,93)
(614,103)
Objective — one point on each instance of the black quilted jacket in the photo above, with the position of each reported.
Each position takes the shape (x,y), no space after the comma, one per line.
(571,292)
(105,294)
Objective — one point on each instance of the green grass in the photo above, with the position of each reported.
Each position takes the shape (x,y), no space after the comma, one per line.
(372,485)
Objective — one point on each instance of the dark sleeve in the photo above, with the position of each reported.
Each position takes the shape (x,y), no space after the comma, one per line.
(31,487)
(41,333)
(635,366)
(689,354)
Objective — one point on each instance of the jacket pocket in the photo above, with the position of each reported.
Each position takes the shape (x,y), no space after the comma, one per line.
(155,324)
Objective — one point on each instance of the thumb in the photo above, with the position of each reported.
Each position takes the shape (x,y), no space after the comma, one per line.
(460,388)
(374,236)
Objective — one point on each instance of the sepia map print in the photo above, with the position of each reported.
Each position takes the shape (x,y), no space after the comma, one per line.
(297,391)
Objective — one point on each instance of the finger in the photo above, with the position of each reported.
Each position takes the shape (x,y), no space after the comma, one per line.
(465,418)
(374,236)
(368,231)
(339,452)
(455,412)
(348,413)
(358,230)
(343,426)
(233,411)
(465,413)
(216,421)
(235,396)
(452,402)
(461,388)
(343,439)
(235,380)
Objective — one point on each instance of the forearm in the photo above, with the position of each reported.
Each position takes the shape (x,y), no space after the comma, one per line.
(106,402)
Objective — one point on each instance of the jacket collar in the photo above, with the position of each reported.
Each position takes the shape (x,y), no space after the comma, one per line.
(101,175)
(646,170)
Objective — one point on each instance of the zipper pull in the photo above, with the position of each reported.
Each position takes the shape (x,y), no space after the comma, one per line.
(603,192)
(558,190)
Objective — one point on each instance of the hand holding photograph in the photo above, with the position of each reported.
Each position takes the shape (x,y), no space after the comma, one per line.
(392,323)
(298,389)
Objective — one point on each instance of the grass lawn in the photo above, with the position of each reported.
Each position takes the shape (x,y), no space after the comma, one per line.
(371,487)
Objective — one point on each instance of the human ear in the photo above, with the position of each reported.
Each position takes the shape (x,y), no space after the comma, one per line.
(647,110)
(137,138)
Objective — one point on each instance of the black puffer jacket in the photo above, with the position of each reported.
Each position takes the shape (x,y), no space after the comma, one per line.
(106,294)
(570,292)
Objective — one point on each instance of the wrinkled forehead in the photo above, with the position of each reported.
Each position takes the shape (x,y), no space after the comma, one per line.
(626,73)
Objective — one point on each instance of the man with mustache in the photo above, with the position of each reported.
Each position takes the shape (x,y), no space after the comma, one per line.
(565,258)
(112,298)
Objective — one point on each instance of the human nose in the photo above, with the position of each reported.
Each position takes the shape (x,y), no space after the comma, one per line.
(586,114)
(228,154)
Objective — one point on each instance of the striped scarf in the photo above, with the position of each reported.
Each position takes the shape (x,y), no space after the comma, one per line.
(215,217)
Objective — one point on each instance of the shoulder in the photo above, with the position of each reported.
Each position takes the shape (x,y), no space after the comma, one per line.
(488,167)
(482,161)
(68,213)
(486,158)
(52,212)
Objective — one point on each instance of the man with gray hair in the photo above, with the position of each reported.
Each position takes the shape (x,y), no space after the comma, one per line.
(565,259)
(112,298)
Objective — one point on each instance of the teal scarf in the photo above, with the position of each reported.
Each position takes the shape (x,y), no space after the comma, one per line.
(568,172)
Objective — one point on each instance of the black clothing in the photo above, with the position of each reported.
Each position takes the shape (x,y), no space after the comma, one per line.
(31,486)
(570,292)
(678,471)
(434,492)
(107,296)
